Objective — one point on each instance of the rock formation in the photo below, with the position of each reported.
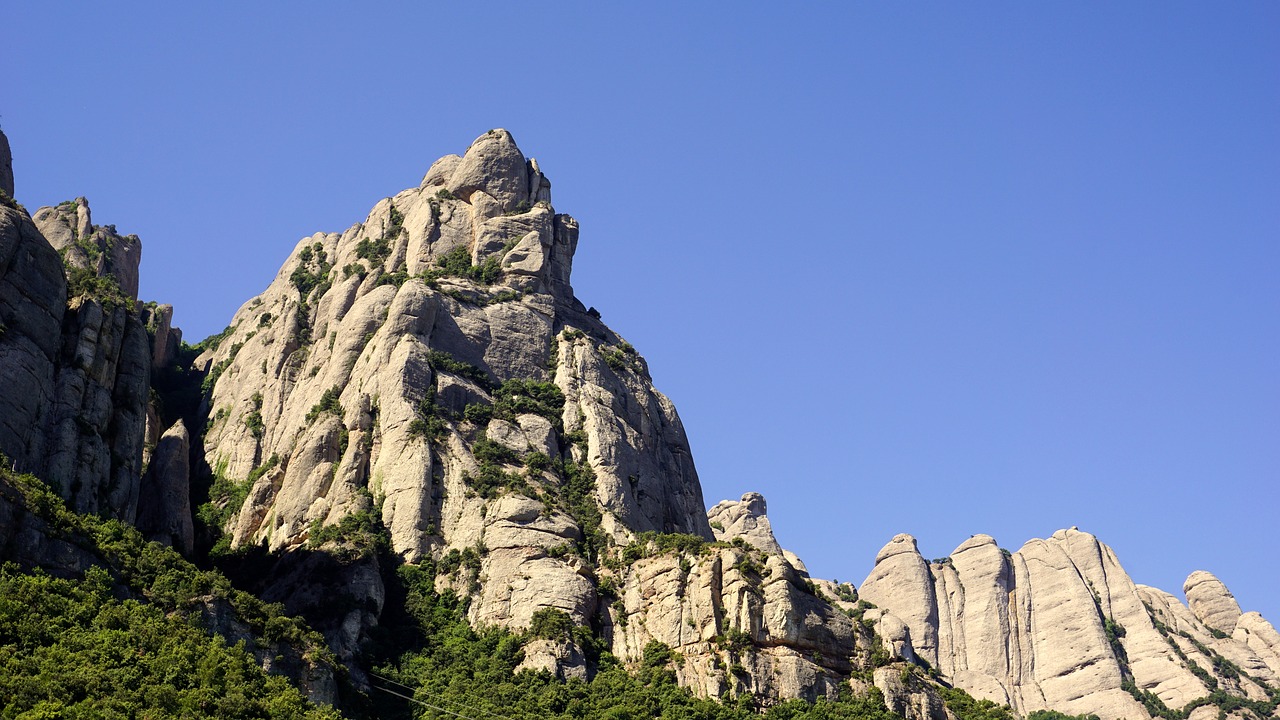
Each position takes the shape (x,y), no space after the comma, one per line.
(167,515)
(1060,625)
(6,166)
(429,373)
(75,355)
(431,364)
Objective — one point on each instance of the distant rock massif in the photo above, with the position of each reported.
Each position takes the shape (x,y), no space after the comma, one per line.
(430,371)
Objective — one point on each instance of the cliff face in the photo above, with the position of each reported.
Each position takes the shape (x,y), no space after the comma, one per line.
(1060,625)
(431,371)
(432,365)
(75,354)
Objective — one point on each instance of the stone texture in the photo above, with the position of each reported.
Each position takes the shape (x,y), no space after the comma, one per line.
(80,367)
(495,166)
(6,166)
(33,294)
(1211,602)
(745,519)
(164,511)
(1030,628)
(70,229)
(374,346)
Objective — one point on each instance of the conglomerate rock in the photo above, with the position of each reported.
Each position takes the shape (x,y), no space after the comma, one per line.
(75,357)
(1060,625)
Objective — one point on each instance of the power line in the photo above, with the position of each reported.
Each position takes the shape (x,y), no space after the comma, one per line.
(423,704)
(459,703)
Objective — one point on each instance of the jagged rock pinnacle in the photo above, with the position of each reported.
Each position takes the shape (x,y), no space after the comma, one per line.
(6,166)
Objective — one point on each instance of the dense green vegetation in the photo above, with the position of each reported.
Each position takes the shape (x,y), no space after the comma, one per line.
(70,648)
(437,657)
(85,282)
(126,639)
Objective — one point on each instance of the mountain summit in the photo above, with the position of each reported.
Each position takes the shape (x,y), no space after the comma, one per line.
(418,413)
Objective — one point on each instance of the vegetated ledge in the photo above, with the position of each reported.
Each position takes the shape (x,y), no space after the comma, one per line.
(144,629)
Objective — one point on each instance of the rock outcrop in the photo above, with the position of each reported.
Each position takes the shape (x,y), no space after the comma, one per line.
(429,372)
(742,616)
(166,515)
(75,356)
(1211,602)
(1060,625)
(33,297)
(96,423)
(431,365)
(6,166)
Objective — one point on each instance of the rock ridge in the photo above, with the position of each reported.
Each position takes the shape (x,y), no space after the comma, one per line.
(1060,625)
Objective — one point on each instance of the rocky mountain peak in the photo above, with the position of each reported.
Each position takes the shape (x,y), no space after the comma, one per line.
(1211,602)
(495,167)
(431,367)
(6,166)
(98,250)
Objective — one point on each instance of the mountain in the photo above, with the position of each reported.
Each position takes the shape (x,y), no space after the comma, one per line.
(418,419)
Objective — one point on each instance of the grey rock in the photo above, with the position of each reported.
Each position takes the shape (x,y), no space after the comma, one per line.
(32,303)
(164,512)
(494,165)
(6,166)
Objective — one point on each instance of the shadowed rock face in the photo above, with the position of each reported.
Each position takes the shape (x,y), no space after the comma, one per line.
(1060,625)
(6,166)
(76,369)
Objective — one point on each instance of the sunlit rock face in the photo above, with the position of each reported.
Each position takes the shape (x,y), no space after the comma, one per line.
(1060,625)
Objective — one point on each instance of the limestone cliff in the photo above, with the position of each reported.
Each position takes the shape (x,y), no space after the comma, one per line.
(1060,625)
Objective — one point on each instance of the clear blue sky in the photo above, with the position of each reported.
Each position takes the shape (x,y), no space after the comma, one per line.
(930,268)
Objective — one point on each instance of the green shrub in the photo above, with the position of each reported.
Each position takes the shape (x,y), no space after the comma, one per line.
(328,404)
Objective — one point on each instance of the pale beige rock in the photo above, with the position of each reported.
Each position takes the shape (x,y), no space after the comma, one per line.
(909,697)
(562,659)
(746,519)
(900,583)
(1029,628)
(1211,602)
(494,165)
(440,171)
(69,228)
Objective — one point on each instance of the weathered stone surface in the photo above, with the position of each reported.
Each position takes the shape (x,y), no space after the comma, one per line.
(33,294)
(69,229)
(6,166)
(901,583)
(79,367)
(97,421)
(1211,602)
(165,338)
(494,165)
(907,696)
(1057,625)
(164,511)
(745,519)
(1261,637)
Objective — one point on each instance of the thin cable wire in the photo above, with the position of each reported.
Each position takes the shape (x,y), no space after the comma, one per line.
(423,704)
(459,703)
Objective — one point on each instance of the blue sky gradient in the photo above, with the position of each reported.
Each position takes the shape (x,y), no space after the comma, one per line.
(939,269)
